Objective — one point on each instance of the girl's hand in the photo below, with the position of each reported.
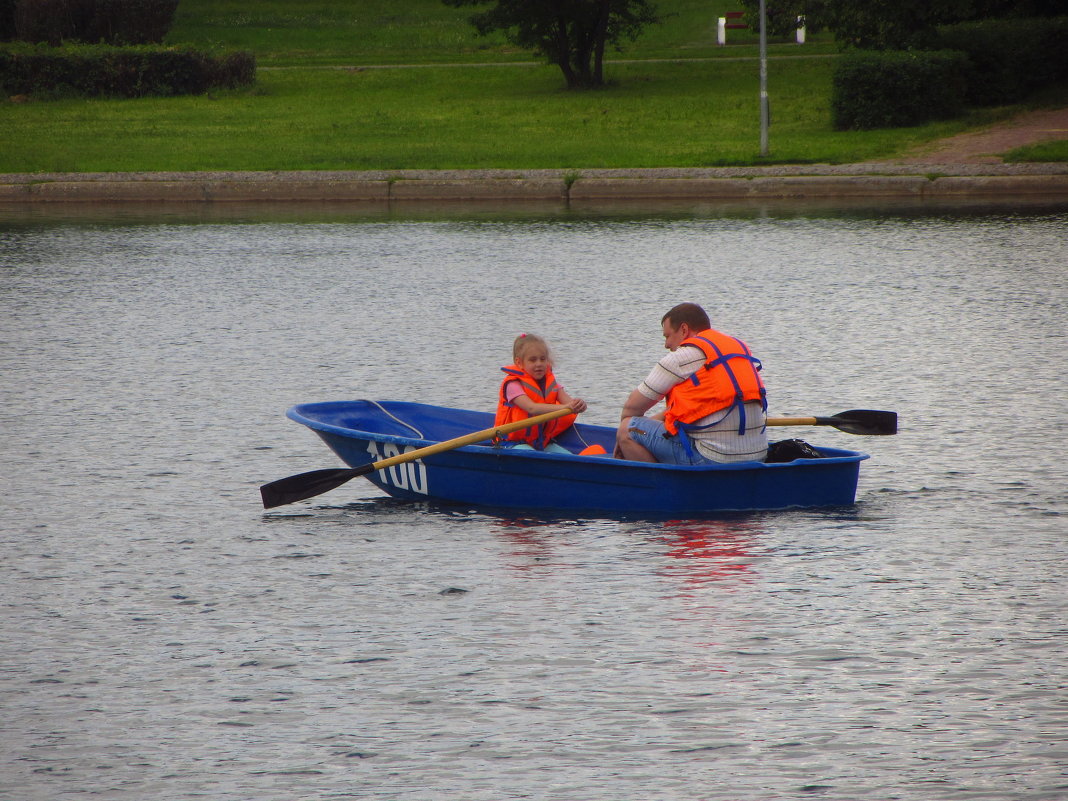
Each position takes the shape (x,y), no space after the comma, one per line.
(578,405)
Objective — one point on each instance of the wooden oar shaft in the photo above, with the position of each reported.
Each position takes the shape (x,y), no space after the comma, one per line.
(470,439)
(792,421)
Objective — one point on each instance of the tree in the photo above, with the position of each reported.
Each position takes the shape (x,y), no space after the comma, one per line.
(572,34)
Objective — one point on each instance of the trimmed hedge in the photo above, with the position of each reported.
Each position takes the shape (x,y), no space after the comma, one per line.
(118,22)
(105,71)
(897,88)
(970,64)
(1009,58)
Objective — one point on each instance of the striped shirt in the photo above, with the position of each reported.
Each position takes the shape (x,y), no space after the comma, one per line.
(721,442)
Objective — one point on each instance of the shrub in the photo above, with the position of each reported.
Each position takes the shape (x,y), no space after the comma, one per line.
(1009,58)
(102,70)
(895,88)
(110,21)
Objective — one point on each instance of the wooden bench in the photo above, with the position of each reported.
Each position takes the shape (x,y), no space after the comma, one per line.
(730,19)
(734,20)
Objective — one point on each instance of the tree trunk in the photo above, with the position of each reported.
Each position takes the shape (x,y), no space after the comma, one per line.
(585,77)
(573,81)
(588,46)
(599,36)
(581,64)
(562,56)
(579,48)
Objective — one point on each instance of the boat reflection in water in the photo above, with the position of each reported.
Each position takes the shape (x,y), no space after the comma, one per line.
(708,551)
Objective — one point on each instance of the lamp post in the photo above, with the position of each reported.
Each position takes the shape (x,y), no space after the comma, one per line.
(763,81)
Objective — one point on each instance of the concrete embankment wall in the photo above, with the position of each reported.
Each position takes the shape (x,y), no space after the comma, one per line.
(859,181)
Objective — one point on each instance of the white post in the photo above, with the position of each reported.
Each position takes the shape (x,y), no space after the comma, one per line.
(800,30)
(721,31)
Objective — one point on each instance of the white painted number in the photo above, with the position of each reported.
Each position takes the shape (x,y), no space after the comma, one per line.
(409,476)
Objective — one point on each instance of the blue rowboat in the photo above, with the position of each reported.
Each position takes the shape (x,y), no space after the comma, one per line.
(361,432)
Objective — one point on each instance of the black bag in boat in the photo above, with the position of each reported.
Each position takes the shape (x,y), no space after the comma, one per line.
(789,449)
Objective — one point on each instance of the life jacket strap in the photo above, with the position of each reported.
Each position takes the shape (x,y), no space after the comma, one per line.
(722,359)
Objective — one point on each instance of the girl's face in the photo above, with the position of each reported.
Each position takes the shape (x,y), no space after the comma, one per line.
(535,360)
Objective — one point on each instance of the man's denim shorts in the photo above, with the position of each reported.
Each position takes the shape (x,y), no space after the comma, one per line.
(668,450)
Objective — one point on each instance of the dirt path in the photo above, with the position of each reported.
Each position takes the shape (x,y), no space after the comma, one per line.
(988,145)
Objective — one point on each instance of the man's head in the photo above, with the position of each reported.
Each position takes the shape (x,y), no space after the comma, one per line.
(681,322)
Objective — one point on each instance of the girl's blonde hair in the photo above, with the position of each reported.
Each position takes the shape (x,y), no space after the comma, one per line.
(524,341)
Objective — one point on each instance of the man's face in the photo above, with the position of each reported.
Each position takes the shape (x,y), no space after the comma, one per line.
(673,336)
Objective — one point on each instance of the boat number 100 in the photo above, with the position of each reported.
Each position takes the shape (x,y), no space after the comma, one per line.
(409,476)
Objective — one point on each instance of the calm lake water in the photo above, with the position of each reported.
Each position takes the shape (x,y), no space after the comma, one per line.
(166,638)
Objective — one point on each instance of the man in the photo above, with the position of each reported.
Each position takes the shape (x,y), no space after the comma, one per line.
(716,402)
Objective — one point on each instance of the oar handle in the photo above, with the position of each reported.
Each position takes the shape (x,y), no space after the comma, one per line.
(467,439)
(793,421)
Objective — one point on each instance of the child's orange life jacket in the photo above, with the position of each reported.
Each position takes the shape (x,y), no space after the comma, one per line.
(547,391)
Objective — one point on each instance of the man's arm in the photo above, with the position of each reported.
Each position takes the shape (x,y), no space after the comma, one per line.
(636,405)
(673,369)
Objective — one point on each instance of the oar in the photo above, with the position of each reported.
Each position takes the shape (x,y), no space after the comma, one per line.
(855,421)
(308,485)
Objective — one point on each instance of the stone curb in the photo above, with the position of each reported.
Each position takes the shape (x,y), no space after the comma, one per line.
(789,182)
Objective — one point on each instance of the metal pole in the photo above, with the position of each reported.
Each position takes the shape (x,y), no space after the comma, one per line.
(763,80)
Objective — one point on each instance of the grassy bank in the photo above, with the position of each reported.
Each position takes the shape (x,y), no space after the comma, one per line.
(659,114)
(1044,152)
(655,113)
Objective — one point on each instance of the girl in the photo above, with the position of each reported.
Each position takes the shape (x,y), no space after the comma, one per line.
(529,388)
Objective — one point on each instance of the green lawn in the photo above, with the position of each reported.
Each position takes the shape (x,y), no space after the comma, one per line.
(1047,151)
(698,109)
(658,114)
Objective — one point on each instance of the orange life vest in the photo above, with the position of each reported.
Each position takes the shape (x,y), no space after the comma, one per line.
(729,377)
(548,391)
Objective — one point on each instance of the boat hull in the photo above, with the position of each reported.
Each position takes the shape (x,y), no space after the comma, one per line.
(360,432)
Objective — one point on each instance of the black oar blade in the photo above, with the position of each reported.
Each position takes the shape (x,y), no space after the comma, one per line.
(308,485)
(863,421)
